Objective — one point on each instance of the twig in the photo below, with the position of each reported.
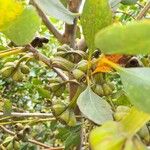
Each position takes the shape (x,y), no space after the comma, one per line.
(125,13)
(41,115)
(46,60)
(47,23)
(143,11)
(32,141)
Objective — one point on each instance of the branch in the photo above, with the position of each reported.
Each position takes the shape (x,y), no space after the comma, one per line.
(32,141)
(47,23)
(46,60)
(143,11)
(70,30)
(41,115)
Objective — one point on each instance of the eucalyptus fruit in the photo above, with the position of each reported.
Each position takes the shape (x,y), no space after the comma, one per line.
(107,89)
(18,75)
(98,78)
(16,145)
(18,127)
(99,90)
(24,68)
(10,146)
(144,134)
(64,117)
(58,108)
(78,74)
(82,65)
(121,112)
(68,117)
(7,71)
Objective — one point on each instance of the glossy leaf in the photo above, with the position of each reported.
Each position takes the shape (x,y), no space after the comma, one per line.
(56,9)
(136,82)
(132,38)
(9,10)
(129,2)
(94,107)
(22,30)
(96,15)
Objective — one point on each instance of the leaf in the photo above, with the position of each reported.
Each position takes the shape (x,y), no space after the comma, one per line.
(96,15)
(70,136)
(114,4)
(7,108)
(56,9)
(136,82)
(103,67)
(132,38)
(9,11)
(22,30)
(94,107)
(129,2)
(43,92)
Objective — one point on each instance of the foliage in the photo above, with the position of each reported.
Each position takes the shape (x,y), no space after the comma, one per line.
(55,89)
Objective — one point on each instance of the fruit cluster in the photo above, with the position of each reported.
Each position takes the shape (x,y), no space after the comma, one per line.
(15,70)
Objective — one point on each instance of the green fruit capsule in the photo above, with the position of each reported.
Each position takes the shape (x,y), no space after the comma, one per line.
(107,90)
(64,117)
(16,145)
(58,108)
(2,147)
(7,71)
(119,115)
(72,119)
(18,76)
(18,127)
(122,108)
(10,146)
(83,65)
(27,129)
(99,90)
(111,85)
(144,134)
(24,69)
(98,78)
(78,74)
(20,135)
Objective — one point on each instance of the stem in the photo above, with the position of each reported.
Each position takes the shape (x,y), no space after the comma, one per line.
(47,23)
(18,115)
(134,121)
(143,11)
(46,60)
(27,121)
(32,141)
(12,52)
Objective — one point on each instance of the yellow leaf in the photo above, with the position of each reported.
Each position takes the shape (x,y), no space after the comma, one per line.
(9,10)
(103,67)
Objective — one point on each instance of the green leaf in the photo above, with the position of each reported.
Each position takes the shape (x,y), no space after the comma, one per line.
(136,82)
(96,15)
(56,9)
(132,38)
(64,2)
(70,136)
(43,92)
(129,2)
(94,107)
(22,30)
(7,108)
